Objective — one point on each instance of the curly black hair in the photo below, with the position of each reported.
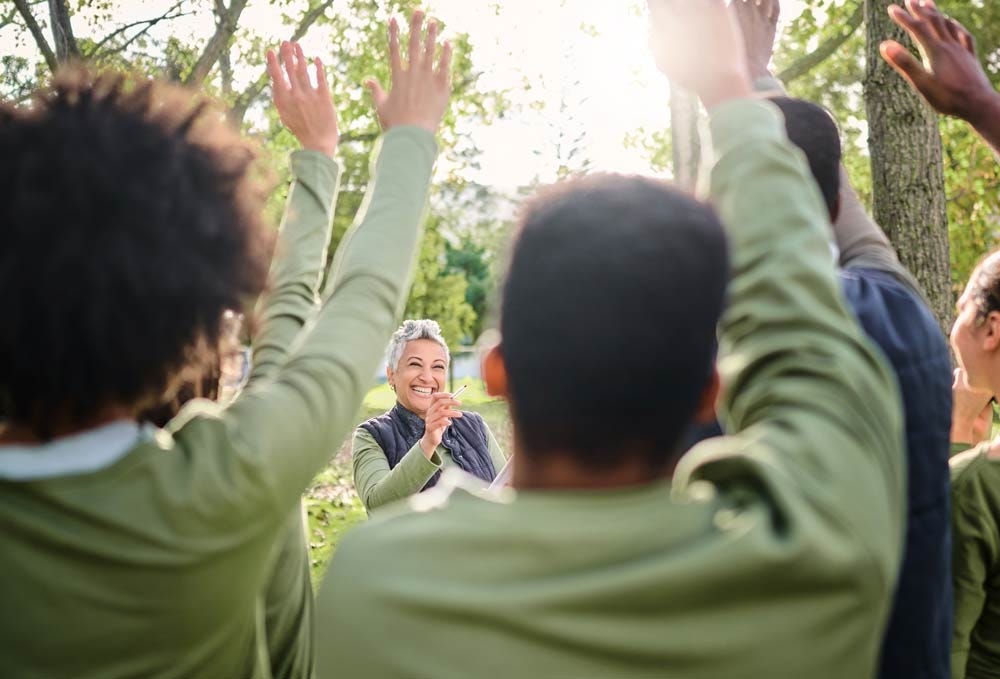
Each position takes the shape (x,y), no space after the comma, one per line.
(131,219)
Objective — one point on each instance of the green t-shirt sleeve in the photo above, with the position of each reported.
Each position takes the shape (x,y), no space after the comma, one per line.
(299,259)
(813,411)
(974,551)
(280,431)
(377,485)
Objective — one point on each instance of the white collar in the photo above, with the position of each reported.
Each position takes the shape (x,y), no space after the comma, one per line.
(82,453)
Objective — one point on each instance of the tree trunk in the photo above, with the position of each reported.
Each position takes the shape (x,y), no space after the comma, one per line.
(62,31)
(907,168)
(685,138)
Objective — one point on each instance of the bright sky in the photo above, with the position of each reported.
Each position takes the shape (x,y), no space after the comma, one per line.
(587,56)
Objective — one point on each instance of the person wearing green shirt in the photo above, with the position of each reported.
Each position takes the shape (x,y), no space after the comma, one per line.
(953,82)
(769,552)
(402,452)
(129,211)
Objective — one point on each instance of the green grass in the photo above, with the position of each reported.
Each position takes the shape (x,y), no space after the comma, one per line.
(331,501)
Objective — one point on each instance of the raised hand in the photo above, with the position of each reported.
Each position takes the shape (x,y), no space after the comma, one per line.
(307,111)
(698,45)
(972,411)
(419,92)
(758,21)
(950,78)
(442,411)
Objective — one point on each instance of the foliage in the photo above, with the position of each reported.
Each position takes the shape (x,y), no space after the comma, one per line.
(355,44)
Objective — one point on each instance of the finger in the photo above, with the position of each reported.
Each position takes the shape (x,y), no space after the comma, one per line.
(964,36)
(301,69)
(444,65)
(378,94)
(288,64)
(952,29)
(395,62)
(928,11)
(905,64)
(774,12)
(430,46)
(416,25)
(917,29)
(279,86)
(322,84)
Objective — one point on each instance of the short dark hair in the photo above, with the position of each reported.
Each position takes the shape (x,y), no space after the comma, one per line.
(130,220)
(608,318)
(814,131)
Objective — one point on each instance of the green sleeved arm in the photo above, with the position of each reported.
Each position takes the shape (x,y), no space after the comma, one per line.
(299,259)
(280,431)
(974,550)
(377,485)
(813,411)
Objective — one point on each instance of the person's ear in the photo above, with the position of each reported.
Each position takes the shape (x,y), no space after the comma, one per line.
(390,378)
(991,339)
(835,213)
(706,405)
(495,372)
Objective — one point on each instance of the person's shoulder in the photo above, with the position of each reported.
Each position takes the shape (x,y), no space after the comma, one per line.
(968,468)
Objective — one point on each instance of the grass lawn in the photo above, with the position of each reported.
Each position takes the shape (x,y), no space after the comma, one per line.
(331,501)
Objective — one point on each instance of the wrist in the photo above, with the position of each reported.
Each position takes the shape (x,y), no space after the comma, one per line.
(324,146)
(984,113)
(733,86)
(962,432)
(428,447)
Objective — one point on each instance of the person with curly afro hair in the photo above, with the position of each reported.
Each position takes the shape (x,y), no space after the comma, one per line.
(131,223)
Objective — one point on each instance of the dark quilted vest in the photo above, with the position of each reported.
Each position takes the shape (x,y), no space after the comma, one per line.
(398,430)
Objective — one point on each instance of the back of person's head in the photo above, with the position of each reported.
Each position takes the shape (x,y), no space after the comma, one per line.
(608,320)
(131,220)
(814,131)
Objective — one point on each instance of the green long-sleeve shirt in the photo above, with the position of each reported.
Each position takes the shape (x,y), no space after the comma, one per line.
(772,552)
(296,271)
(378,485)
(152,566)
(975,512)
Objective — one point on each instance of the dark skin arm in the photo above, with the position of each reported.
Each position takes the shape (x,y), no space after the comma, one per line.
(951,78)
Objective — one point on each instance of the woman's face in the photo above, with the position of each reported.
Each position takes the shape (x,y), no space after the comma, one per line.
(421,371)
(968,339)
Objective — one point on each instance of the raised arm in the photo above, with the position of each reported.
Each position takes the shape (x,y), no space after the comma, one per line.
(301,253)
(280,431)
(951,78)
(814,412)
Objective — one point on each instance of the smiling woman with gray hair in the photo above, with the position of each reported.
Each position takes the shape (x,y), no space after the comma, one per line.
(403,451)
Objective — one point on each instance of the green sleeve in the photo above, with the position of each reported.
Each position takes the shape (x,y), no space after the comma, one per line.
(377,485)
(974,549)
(280,431)
(299,259)
(813,410)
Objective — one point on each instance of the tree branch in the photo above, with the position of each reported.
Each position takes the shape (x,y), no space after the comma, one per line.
(228,21)
(62,31)
(826,49)
(36,33)
(253,92)
(171,13)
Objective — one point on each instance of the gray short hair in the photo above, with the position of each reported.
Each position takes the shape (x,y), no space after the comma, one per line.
(413,330)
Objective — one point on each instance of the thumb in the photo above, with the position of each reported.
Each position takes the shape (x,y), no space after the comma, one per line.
(905,64)
(377,93)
